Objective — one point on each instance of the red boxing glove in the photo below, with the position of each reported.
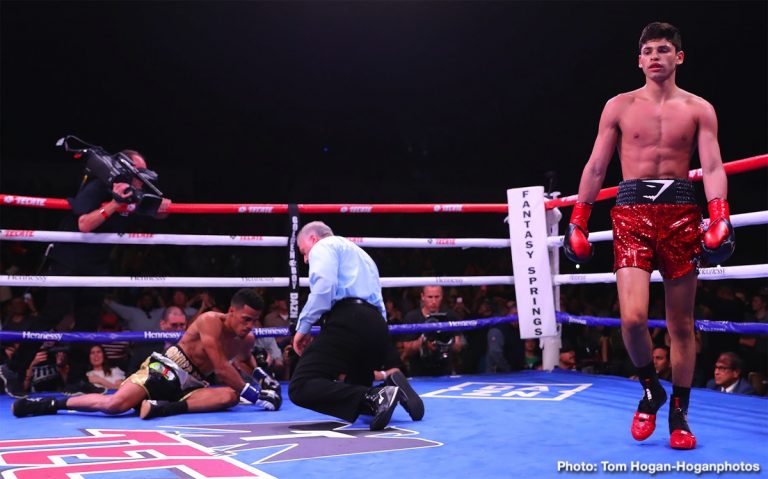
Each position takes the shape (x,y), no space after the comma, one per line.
(719,240)
(575,244)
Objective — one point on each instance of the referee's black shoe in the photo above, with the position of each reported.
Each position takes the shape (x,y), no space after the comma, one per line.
(381,403)
(408,398)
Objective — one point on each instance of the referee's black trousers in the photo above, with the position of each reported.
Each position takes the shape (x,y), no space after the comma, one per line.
(336,369)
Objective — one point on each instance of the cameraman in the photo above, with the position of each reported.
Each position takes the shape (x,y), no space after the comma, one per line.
(429,354)
(95,208)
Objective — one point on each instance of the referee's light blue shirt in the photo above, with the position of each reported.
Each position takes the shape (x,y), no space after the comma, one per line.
(338,269)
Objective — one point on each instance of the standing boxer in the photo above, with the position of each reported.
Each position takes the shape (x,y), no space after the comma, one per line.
(656,221)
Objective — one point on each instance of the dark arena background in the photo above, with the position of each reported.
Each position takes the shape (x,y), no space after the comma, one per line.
(379,102)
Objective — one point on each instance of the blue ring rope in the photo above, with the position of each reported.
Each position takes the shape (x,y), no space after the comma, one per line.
(563,318)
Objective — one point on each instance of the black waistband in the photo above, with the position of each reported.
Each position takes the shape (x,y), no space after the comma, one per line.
(344,302)
(352,300)
(662,191)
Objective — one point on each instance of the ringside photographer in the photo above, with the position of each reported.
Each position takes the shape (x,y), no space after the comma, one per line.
(116,191)
(432,353)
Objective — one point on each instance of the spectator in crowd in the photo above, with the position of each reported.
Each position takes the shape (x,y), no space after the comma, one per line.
(728,376)
(725,306)
(173,320)
(532,353)
(567,358)
(118,353)
(268,354)
(20,314)
(460,308)
(394,315)
(278,318)
(758,305)
(429,354)
(145,316)
(102,373)
(180,299)
(661,363)
(207,303)
(505,349)
(754,348)
(49,370)
(5,354)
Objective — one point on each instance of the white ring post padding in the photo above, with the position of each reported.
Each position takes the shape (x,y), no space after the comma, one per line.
(743,219)
(725,272)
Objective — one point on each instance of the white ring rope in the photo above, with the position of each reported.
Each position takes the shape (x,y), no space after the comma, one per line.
(744,219)
(750,271)
(142,238)
(718,273)
(237,240)
(234,282)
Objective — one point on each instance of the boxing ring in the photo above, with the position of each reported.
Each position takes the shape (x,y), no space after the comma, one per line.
(520,424)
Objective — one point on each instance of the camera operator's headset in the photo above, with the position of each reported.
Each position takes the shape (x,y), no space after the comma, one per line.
(117,168)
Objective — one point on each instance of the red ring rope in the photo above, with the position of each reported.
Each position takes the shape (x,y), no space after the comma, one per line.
(733,167)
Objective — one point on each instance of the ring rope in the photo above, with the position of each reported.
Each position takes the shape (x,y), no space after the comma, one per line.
(733,167)
(739,220)
(239,240)
(750,271)
(716,273)
(564,318)
(229,282)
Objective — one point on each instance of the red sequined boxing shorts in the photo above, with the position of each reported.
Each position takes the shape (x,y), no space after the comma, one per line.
(652,236)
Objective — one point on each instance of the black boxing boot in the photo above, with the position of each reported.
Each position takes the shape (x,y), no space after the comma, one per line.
(680,435)
(34,407)
(654,396)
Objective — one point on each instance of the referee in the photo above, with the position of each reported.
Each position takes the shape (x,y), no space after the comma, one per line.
(335,373)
